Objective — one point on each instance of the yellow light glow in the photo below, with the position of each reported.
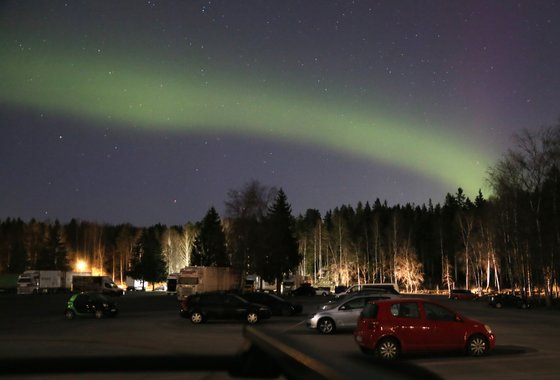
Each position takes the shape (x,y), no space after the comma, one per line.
(81,266)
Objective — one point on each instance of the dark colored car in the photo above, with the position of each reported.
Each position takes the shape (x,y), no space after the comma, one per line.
(217,305)
(277,305)
(388,328)
(508,300)
(340,289)
(304,290)
(90,305)
(462,294)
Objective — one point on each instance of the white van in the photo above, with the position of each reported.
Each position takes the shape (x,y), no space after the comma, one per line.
(387,287)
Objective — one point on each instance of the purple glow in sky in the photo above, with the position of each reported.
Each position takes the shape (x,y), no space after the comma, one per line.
(150,112)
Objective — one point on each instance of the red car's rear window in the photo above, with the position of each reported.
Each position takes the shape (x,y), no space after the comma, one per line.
(370,310)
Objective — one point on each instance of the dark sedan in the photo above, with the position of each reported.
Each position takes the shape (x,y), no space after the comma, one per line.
(508,300)
(217,305)
(304,290)
(277,305)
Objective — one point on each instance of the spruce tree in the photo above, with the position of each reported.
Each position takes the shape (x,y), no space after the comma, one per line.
(280,254)
(210,244)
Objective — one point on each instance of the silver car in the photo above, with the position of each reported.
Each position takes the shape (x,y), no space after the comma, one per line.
(343,314)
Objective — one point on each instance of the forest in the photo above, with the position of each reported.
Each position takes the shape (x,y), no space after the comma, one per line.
(507,240)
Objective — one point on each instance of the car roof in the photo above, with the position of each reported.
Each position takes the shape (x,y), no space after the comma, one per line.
(386,296)
(401,300)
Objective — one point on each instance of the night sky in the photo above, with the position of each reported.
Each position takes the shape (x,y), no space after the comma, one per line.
(151,111)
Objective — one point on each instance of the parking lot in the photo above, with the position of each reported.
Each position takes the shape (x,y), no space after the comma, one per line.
(148,325)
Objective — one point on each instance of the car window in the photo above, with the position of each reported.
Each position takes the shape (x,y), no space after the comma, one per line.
(352,289)
(233,301)
(356,303)
(405,310)
(97,297)
(438,313)
(275,297)
(211,299)
(370,310)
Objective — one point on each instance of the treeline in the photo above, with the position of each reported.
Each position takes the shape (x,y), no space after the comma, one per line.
(257,238)
(510,240)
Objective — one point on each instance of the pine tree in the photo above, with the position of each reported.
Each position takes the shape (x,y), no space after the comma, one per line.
(53,256)
(210,244)
(280,253)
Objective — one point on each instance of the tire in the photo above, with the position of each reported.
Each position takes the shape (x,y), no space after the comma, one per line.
(252,318)
(524,306)
(477,345)
(387,349)
(326,326)
(69,314)
(98,314)
(196,318)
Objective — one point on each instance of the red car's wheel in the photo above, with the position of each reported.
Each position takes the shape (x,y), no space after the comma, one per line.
(387,349)
(477,345)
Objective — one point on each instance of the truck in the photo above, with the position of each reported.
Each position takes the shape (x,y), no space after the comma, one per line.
(133,284)
(172,279)
(201,279)
(40,281)
(45,281)
(98,284)
(254,282)
(291,283)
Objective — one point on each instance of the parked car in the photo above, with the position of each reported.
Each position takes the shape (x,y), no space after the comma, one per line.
(508,300)
(323,291)
(218,305)
(340,289)
(462,294)
(342,314)
(90,305)
(364,291)
(304,290)
(388,328)
(277,305)
(378,288)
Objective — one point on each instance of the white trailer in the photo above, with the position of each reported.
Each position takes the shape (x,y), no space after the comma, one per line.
(40,281)
(193,280)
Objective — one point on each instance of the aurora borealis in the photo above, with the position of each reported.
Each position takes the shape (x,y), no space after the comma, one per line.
(156,118)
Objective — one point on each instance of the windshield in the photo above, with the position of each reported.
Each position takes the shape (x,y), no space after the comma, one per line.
(188,280)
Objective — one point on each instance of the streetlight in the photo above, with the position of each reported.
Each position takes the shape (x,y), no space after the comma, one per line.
(81,265)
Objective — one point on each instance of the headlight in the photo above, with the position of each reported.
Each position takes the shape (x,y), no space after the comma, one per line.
(105,305)
(488,329)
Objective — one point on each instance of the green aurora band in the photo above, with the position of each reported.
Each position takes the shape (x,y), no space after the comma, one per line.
(119,90)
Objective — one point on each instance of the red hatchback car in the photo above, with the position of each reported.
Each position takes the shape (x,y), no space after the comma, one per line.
(388,328)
